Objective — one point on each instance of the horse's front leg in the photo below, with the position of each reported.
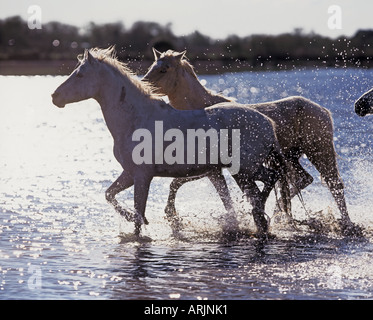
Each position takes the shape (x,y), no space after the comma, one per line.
(141,190)
(123,182)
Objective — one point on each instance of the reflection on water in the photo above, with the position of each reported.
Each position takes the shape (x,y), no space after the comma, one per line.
(59,239)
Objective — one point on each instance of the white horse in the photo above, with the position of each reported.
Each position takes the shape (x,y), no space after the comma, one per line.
(134,114)
(302,127)
(364,105)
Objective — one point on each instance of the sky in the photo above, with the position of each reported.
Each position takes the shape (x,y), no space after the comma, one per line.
(215,18)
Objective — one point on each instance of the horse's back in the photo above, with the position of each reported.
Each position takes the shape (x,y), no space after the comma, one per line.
(234,115)
(293,108)
(297,120)
(257,133)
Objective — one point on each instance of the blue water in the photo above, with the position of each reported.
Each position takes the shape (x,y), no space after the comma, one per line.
(59,239)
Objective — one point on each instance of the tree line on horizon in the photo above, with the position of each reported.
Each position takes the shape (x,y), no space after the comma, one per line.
(59,41)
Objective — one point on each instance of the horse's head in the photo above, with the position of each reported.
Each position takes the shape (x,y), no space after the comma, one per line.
(82,83)
(163,72)
(364,105)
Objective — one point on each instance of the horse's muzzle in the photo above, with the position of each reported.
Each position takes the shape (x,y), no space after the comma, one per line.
(56,101)
(362,107)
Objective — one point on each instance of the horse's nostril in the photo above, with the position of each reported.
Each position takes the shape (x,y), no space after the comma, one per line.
(55,100)
(54,95)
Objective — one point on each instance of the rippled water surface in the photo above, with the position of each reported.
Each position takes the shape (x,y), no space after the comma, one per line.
(59,239)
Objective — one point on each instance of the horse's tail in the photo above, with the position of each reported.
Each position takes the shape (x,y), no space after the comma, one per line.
(278,162)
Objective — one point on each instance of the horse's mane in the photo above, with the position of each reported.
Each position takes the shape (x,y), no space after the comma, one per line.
(109,56)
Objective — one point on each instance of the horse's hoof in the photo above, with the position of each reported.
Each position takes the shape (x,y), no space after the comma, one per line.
(129,216)
(170,213)
(262,227)
(230,236)
(138,223)
(137,230)
(260,221)
(264,236)
(350,229)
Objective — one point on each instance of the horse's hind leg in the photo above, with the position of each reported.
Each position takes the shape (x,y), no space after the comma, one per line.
(300,178)
(255,196)
(220,184)
(256,199)
(269,177)
(278,171)
(324,159)
(175,185)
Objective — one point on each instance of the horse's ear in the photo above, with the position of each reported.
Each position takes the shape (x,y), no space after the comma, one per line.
(88,56)
(80,57)
(157,54)
(181,55)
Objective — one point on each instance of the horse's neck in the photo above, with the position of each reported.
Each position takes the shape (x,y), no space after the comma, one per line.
(190,94)
(112,99)
(125,107)
(113,114)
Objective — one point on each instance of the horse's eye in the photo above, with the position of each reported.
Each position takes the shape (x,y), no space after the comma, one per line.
(165,68)
(79,75)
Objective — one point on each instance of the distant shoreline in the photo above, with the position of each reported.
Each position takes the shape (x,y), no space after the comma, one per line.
(65,67)
(53,49)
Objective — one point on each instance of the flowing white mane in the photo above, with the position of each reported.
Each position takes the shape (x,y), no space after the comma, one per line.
(109,57)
